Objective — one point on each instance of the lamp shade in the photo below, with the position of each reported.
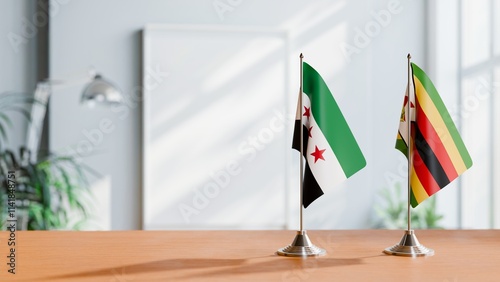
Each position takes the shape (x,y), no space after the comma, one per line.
(101,91)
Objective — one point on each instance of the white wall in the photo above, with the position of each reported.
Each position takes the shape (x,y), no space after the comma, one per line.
(18,57)
(369,86)
(458,34)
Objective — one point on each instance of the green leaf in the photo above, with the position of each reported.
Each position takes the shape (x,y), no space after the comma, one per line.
(56,186)
(393,212)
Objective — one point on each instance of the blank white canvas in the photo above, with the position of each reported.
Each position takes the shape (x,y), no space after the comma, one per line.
(216,137)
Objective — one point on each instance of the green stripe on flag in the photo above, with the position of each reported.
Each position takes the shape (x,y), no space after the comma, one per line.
(448,121)
(332,123)
(401,145)
(413,200)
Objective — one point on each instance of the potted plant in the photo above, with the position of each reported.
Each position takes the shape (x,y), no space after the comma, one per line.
(392,214)
(49,193)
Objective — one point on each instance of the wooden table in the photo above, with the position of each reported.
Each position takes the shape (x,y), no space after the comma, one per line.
(461,255)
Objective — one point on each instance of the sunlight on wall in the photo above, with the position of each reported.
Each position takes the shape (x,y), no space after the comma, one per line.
(476,40)
(462,56)
(476,125)
(230,67)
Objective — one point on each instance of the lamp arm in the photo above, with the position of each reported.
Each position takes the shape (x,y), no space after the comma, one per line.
(99,87)
(38,110)
(79,79)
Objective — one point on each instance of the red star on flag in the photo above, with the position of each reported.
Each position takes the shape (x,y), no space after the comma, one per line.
(307,112)
(318,154)
(403,112)
(406,101)
(310,129)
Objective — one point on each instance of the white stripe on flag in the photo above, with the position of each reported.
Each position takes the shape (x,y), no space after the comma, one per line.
(328,172)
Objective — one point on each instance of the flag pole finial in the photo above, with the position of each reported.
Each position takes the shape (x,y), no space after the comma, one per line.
(301,56)
(409,56)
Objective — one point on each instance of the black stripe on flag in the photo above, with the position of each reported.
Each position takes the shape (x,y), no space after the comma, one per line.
(312,191)
(429,158)
(296,137)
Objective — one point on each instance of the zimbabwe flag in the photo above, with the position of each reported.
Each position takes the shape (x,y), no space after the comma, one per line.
(438,152)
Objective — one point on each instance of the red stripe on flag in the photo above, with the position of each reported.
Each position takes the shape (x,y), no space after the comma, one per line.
(434,141)
(424,175)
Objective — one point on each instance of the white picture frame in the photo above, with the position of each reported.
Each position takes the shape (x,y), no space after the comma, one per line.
(208,94)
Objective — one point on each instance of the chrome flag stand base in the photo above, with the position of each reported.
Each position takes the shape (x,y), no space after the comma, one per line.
(409,247)
(301,247)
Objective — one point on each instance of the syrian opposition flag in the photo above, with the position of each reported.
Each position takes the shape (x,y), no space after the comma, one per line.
(438,153)
(330,150)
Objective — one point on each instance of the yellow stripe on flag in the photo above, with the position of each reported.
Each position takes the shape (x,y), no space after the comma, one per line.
(437,122)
